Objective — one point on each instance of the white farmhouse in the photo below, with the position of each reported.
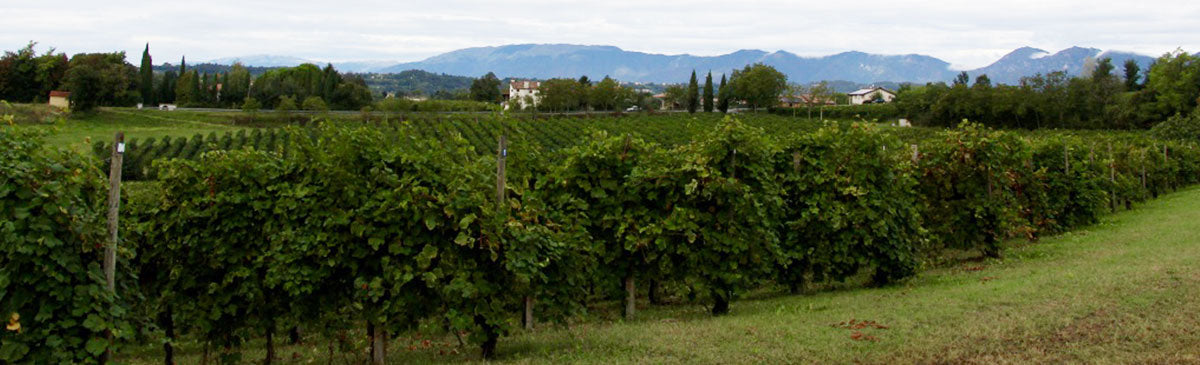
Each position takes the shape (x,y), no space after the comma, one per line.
(524,93)
(868,95)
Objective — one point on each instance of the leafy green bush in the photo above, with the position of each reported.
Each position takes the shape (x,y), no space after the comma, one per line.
(53,295)
(724,207)
(851,202)
(969,184)
(1179,127)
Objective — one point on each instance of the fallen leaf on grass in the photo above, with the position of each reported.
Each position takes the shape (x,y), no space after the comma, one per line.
(859,336)
(855,324)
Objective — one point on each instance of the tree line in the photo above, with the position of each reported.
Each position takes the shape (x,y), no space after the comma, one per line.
(1101,98)
(106,79)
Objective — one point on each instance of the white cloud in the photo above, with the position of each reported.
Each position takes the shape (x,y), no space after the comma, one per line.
(966,34)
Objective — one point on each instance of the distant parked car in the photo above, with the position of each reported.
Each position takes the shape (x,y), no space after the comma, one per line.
(632,108)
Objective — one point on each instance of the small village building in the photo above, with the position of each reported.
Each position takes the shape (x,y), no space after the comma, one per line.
(524,93)
(60,99)
(870,95)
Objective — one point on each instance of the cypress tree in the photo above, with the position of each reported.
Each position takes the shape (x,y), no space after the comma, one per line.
(147,73)
(693,94)
(723,96)
(166,89)
(708,93)
(197,91)
(329,82)
(224,85)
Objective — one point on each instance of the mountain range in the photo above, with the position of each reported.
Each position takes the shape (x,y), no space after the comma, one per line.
(543,61)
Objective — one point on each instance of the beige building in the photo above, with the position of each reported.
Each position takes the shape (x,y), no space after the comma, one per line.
(524,93)
(871,95)
(60,99)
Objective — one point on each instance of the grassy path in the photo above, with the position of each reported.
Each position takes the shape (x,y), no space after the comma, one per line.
(1124,291)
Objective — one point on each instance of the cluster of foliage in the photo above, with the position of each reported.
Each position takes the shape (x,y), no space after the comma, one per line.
(338,91)
(1180,126)
(486,89)
(1100,99)
(550,133)
(982,186)
(138,163)
(849,207)
(53,295)
(30,113)
(335,226)
(564,95)
(107,79)
(756,86)
(416,83)
(26,77)
(347,219)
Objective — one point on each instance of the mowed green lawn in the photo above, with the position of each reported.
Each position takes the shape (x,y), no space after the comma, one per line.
(75,131)
(1124,291)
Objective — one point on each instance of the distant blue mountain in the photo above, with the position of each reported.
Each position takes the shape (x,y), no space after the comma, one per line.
(1027,61)
(564,60)
(543,61)
(262,60)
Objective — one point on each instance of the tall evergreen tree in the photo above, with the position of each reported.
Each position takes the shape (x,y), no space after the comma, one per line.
(1132,74)
(224,84)
(147,73)
(197,87)
(723,96)
(184,87)
(329,82)
(693,93)
(962,79)
(183,66)
(708,93)
(166,89)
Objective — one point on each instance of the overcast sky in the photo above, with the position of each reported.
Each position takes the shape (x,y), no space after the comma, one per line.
(968,34)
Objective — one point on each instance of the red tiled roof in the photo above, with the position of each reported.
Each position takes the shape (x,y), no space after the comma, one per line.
(60,93)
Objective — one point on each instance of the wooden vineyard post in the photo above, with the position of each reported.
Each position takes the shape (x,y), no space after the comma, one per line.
(796,161)
(1144,156)
(501,195)
(114,205)
(630,296)
(501,156)
(1166,160)
(1066,159)
(916,156)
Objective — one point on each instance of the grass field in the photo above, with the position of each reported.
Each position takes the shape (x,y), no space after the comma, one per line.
(104,123)
(1126,290)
